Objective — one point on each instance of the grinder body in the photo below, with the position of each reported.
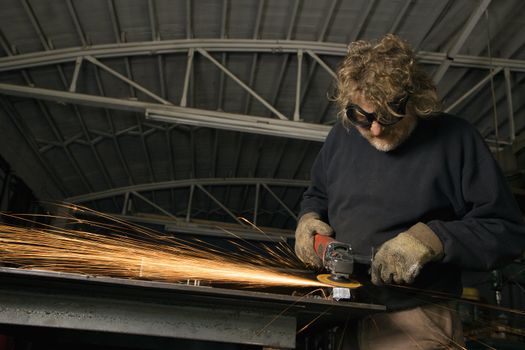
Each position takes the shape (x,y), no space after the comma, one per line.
(337,257)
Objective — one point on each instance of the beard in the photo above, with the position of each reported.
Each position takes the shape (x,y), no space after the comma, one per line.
(391,137)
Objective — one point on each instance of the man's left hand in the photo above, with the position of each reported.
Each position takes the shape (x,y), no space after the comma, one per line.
(401,258)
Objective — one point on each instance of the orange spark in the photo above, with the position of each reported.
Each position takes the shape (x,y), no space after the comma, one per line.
(150,256)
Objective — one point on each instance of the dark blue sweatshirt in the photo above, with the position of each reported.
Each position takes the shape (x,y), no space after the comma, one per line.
(443,175)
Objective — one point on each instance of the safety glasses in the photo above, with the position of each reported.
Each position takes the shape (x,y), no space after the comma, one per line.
(359,117)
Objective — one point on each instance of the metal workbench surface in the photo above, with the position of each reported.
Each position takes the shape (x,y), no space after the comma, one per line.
(33,298)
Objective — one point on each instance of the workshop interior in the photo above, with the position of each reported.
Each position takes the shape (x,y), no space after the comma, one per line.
(154,156)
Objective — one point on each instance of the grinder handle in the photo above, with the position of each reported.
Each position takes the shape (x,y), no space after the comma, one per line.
(320,244)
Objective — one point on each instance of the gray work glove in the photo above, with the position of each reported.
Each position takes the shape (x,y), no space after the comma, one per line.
(310,224)
(401,258)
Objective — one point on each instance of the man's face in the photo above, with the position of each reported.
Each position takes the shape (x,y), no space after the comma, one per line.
(384,138)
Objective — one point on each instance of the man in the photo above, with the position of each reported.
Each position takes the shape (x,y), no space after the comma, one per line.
(417,186)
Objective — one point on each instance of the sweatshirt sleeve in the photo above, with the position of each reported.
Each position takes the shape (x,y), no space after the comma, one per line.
(315,198)
(490,231)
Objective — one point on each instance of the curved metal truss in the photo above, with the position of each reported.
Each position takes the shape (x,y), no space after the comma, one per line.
(217,191)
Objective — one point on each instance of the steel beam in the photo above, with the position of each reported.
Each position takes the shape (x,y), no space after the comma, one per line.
(73,84)
(242,84)
(292,214)
(78,27)
(218,202)
(140,309)
(184,183)
(126,80)
(238,122)
(463,36)
(149,48)
(136,194)
(261,125)
(474,89)
(400,16)
(322,63)
(296,114)
(363,15)
(36,24)
(189,67)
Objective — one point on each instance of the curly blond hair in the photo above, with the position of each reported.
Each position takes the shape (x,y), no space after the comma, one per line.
(384,71)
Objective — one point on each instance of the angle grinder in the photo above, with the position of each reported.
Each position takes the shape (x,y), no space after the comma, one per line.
(338,258)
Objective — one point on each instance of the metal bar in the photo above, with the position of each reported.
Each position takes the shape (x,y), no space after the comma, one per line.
(170,113)
(36,24)
(256,204)
(43,108)
(232,122)
(328,20)
(292,214)
(400,16)
(242,84)
(434,17)
(296,114)
(72,88)
(293,17)
(251,82)
(189,66)
(322,63)
(136,194)
(171,166)
(175,114)
(474,89)
(190,202)
(73,85)
(160,64)
(193,169)
(189,28)
(280,79)
(255,55)
(85,131)
(76,22)
(139,125)
(114,20)
(220,93)
(215,153)
(68,153)
(57,133)
(126,80)
(125,204)
(510,106)
(74,311)
(223,18)
(363,17)
(463,36)
(42,58)
(216,229)
(220,205)
(152,21)
(313,67)
(109,120)
(258,19)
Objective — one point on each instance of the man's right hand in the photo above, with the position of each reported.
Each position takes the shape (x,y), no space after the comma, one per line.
(308,226)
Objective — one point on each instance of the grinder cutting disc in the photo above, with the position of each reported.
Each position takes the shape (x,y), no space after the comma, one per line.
(341,282)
